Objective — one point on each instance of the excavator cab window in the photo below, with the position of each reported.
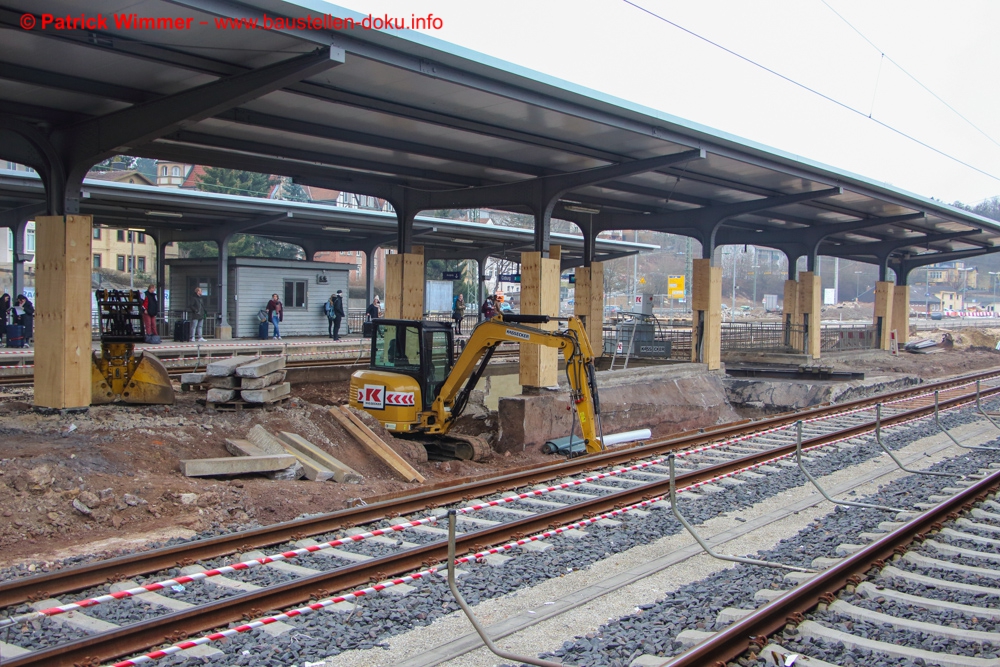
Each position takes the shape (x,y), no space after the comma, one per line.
(396,348)
(437,352)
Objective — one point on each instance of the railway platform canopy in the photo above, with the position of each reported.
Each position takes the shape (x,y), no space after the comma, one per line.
(424,125)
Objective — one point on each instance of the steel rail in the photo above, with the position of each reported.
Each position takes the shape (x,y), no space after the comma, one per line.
(173,627)
(52,584)
(729,644)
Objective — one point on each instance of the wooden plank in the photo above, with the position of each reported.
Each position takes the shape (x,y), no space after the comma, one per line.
(341,471)
(555,252)
(810,307)
(62,312)
(588,303)
(394,286)
(236,465)
(367,437)
(412,289)
(884,292)
(539,366)
(706,297)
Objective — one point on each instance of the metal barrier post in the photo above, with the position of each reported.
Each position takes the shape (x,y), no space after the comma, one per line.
(979,407)
(878,439)
(704,545)
(937,420)
(452,518)
(848,503)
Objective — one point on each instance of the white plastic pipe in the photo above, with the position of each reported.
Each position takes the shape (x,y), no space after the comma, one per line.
(627,436)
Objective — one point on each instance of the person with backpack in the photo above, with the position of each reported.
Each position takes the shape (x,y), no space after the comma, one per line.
(197,308)
(275,314)
(328,311)
(150,309)
(338,313)
(488,308)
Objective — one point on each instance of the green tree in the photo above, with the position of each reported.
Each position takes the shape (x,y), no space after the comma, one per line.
(236,182)
(243,245)
(292,191)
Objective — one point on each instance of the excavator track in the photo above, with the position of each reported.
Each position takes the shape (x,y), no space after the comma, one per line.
(453,446)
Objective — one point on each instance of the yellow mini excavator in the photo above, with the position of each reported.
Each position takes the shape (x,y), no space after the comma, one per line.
(118,373)
(415,389)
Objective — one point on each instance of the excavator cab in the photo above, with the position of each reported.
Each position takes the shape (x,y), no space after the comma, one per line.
(410,360)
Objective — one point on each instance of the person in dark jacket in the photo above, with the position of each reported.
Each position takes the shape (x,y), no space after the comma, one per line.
(197,309)
(25,316)
(150,309)
(374,310)
(458,312)
(488,308)
(5,306)
(275,314)
(338,313)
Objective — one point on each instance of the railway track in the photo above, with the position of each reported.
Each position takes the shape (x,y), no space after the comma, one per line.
(331,553)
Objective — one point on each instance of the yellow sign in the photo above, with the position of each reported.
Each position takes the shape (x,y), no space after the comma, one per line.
(675,287)
(642,281)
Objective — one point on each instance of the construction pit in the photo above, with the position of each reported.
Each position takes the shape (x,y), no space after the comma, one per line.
(77,483)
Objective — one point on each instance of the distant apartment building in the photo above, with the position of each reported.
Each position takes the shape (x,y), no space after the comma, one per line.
(954,274)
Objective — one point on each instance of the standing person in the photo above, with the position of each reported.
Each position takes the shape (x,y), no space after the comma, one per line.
(488,308)
(374,309)
(458,313)
(25,316)
(5,306)
(275,313)
(338,313)
(197,308)
(328,309)
(150,309)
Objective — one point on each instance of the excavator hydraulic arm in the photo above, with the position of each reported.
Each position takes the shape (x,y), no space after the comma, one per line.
(571,340)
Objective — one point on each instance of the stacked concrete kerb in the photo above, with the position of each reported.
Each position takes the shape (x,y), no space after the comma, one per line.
(246,379)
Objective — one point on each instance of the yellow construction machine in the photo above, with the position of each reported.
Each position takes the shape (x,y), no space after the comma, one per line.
(414,388)
(118,373)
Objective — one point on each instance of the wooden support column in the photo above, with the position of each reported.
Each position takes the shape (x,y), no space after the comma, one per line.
(539,296)
(588,303)
(790,316)
(404,286)
(810,305)
(901,312)
(884,291)
(706,305)
(62,312)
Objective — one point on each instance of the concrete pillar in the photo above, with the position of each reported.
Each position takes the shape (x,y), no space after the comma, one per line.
(404,286)
(223,330)
(588,303)
(62,312)
(370,275)
(810,305)
(706,306)
(884,292)
(18,256)
(901,313)
(790,316)
(539,296)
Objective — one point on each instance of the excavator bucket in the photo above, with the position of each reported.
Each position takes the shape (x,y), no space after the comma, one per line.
(150,383)
(140,379)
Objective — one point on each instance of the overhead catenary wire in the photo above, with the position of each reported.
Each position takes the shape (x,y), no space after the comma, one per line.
(907,73)
(814,91)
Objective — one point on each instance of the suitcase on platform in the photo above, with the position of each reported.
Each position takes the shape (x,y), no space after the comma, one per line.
(182,331)
(262,331)
(366,329)
(15,335)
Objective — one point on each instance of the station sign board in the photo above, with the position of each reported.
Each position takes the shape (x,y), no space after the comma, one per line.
(510,277)
(451,275)
(675,287)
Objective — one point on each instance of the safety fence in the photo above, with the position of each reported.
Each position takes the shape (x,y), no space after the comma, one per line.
(848,337)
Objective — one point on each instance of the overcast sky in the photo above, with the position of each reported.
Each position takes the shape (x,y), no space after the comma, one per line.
(613,47)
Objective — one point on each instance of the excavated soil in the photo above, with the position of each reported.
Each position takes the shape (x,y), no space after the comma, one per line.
(84,478)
